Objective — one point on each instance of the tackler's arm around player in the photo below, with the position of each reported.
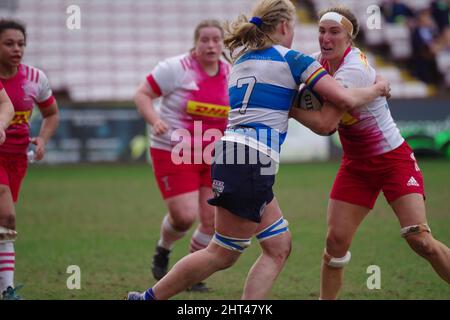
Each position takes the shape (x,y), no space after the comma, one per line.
(322,115)
(322,121)
(349,98)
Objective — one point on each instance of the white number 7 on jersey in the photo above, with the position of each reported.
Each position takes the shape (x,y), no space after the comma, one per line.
(250,82)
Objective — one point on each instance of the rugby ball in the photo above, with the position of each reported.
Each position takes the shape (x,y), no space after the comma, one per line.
(307,99)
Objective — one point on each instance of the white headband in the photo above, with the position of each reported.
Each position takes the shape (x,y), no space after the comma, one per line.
(343,21)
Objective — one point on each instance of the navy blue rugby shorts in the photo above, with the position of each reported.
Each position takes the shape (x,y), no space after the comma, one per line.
(242,180)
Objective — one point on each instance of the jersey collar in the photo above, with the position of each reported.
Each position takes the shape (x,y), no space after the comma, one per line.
(326,65)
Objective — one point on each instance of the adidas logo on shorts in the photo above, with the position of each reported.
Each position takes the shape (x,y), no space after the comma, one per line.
(412,182)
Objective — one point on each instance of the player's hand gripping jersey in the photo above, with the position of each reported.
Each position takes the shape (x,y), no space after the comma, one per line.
(189,94)
(370,130)
(262,87)
(28,87)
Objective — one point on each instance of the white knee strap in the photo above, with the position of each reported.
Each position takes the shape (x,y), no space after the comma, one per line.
(7,235)
(414,229)
(337,262)
(276,228)
(234,244)
(169,227)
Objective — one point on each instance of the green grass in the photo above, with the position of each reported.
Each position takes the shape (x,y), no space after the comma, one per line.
(105,219)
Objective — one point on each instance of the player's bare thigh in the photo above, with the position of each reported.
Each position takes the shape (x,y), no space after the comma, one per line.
(206,211)
(343,220)
(233,226)
(272,213)
(410,209)
(7,211)
(183,207)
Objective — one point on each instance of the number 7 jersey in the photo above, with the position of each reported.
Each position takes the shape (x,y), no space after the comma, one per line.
(262,87)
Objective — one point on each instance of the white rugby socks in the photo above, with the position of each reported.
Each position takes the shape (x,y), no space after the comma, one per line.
(7,263)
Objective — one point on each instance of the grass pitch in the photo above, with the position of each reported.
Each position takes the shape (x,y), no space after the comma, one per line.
(105,219)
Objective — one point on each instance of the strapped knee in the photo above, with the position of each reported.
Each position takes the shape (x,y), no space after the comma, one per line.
(276,228)
(336,262)
(233,244)
(171,229)
(414,229)
(7,235)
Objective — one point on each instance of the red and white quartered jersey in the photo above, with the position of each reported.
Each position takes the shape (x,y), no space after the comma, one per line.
(370,130)
(189,95)
(28,87)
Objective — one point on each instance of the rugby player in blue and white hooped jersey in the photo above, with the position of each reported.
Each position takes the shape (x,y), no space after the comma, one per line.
(263,83)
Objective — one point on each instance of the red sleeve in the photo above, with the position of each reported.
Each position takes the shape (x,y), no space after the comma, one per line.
(46,103)
(155,87)
(1,86)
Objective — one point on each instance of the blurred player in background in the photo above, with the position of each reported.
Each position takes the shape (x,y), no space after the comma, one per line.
(25,86)
(263,82)
(376,157)
(193,96)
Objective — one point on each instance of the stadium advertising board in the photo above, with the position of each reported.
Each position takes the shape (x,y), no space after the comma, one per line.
(95,135)
(424,123)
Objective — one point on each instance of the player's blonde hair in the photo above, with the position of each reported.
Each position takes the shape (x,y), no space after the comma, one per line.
(247,36)
(344,11)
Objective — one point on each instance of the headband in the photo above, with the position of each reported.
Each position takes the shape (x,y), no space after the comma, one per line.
(343,21)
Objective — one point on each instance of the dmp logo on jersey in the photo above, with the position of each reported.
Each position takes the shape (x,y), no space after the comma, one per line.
(20,117)
(207,109)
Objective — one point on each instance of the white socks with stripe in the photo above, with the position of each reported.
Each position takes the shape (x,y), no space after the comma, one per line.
(7,262)
(199,240)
